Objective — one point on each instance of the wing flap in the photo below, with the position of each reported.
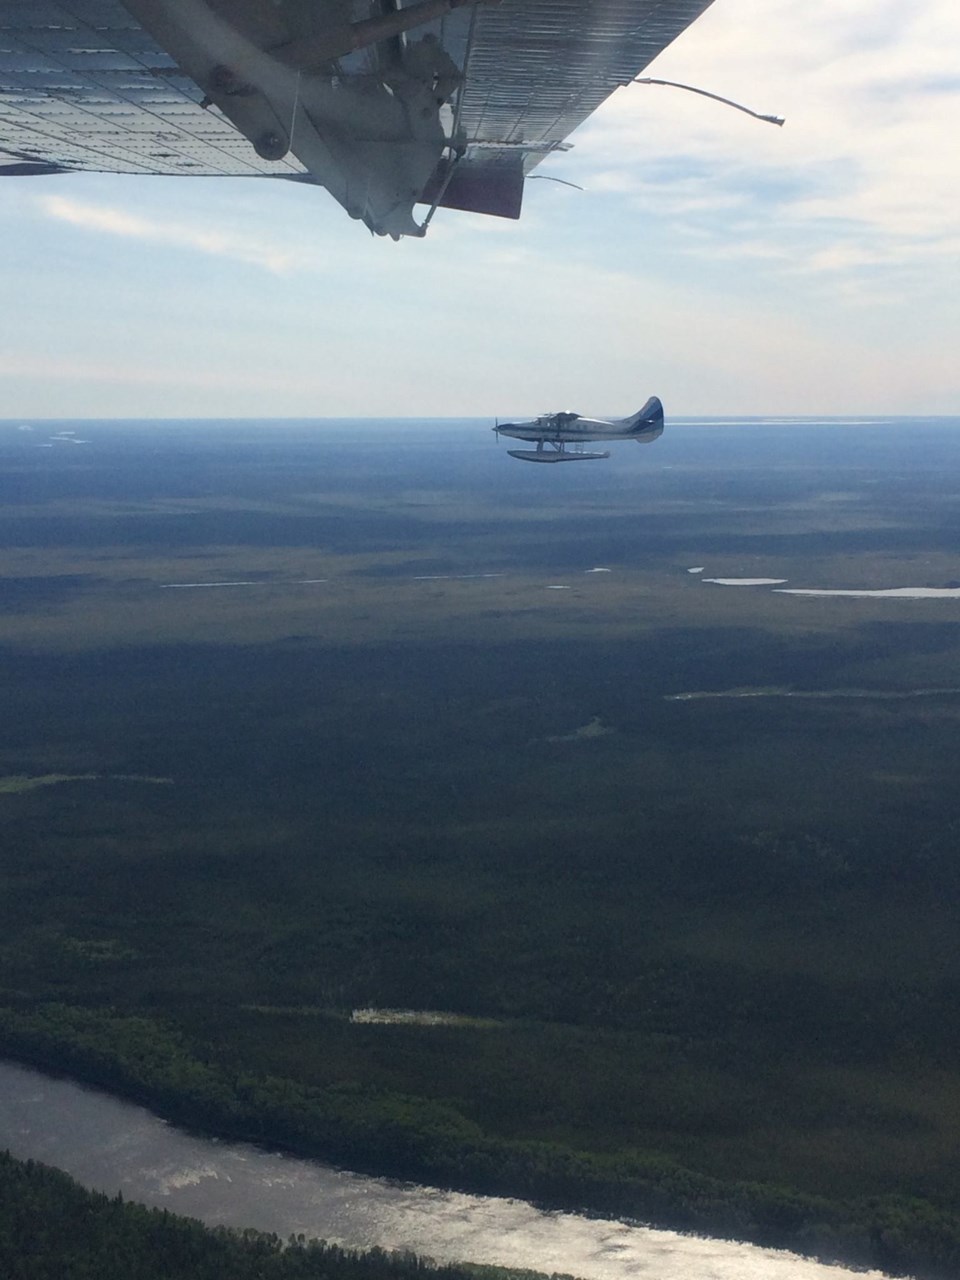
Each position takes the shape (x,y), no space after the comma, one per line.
(490,183)
(538,68)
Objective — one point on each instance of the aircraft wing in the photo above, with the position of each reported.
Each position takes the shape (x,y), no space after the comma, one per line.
(387,103)
(535,70)
(84,86)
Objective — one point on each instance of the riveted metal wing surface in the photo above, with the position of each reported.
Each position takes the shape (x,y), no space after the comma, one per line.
(386,103)
(84,86)
(535,71)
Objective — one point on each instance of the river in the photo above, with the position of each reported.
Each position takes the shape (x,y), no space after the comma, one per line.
(111,1146)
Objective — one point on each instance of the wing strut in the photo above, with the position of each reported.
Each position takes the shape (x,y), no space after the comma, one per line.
(456,147)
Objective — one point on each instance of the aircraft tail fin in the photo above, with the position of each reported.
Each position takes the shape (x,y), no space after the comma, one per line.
(647,423)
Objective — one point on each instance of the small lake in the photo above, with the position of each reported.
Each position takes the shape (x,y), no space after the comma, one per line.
(113,1146)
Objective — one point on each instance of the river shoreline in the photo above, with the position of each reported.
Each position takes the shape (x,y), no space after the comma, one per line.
(241,1184)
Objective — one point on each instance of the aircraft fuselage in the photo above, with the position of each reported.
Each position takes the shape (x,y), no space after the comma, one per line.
(579,431)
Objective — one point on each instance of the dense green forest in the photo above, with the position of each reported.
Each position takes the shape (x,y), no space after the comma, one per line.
(698,953)
(53,1229)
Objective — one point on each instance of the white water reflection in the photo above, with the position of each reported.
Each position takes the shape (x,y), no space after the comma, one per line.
(744,582)
(874,694)
(893,593)
(899,593)
(113,1146)
(245,582)
(175,586)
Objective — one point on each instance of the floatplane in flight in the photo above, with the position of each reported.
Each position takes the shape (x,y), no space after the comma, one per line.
(553,432)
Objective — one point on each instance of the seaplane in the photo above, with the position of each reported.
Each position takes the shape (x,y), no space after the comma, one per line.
(553,432)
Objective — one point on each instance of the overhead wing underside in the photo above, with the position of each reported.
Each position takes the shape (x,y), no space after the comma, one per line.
(536,70)
(387,103)
(83,86)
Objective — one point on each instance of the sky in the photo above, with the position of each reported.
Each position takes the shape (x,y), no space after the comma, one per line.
(728,266)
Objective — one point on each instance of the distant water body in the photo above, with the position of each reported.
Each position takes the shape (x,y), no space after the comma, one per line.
(113,1146)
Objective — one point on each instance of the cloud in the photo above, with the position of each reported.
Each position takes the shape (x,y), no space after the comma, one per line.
(725,264)
(872,100)
(162,374)
(221,243)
